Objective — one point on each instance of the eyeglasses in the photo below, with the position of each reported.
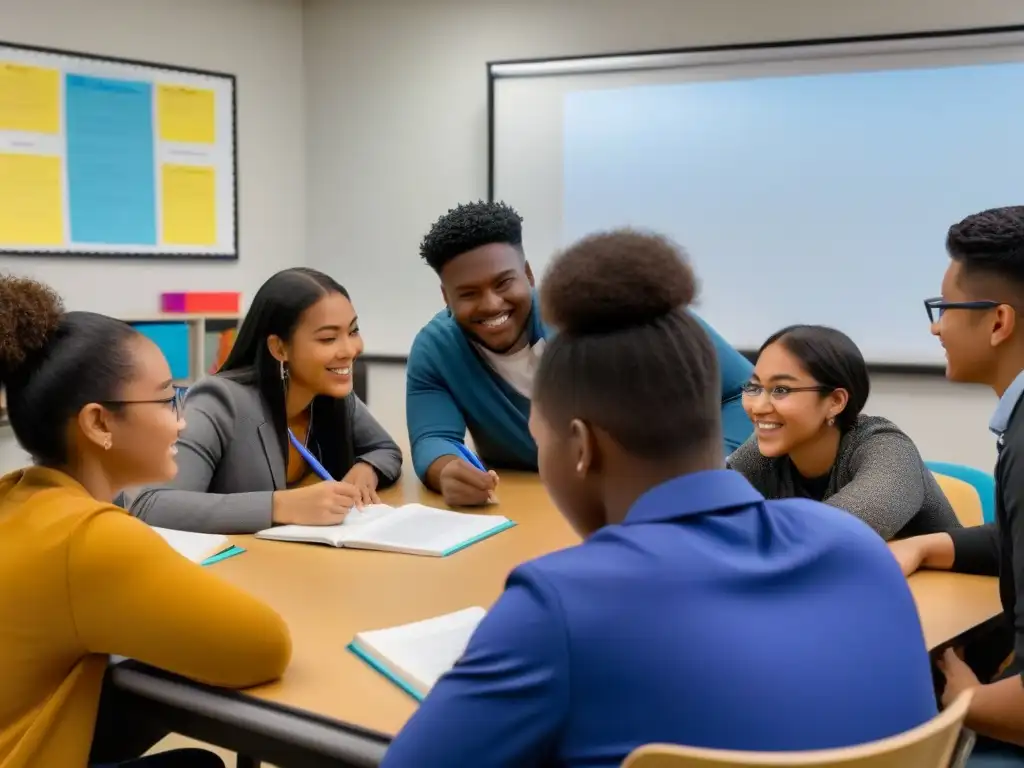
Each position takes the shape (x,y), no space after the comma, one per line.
(936,307)
(752,390)
(175,401)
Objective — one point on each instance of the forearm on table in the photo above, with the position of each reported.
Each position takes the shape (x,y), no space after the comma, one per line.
(224,513)
(432,477)
(939,552)
(997,710)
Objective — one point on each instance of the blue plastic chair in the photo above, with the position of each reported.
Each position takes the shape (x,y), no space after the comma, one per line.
(983,483)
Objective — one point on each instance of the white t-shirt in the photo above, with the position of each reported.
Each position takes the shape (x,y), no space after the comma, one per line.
(518,368)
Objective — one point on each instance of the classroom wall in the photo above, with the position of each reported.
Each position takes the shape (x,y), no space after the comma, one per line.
(260,41)
(396,134)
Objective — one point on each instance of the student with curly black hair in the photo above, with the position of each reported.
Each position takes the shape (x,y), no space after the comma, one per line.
(695,612)
(90,400)
(473,365)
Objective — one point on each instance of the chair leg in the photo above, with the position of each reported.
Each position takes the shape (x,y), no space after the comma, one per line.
(244,761)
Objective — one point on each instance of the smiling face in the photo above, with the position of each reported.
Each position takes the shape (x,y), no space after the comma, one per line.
(489,291)
(323,347)
(145,426)
(967,335)
(786,405)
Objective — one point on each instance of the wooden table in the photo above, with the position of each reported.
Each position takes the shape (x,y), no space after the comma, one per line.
(327,595)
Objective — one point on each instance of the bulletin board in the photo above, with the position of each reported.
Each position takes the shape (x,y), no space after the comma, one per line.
(111,158)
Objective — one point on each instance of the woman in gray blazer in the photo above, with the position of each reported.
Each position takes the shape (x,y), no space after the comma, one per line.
(278,416)
(810,438)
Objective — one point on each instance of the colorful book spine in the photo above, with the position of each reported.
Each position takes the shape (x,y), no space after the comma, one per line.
(196,302)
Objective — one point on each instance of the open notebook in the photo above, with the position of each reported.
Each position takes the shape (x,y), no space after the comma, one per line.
(414,656)
(203,548)
(412,529)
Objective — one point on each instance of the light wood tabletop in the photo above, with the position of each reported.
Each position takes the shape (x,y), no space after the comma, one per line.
(327,595)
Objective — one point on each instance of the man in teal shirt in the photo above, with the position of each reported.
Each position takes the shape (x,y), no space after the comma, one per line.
(471,367)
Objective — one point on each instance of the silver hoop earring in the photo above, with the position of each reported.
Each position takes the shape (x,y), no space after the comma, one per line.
(284,371)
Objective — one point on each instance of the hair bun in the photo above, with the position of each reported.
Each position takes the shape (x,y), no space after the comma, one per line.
(30,313)
(616,280)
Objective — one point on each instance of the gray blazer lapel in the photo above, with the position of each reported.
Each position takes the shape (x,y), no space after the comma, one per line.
(272,450)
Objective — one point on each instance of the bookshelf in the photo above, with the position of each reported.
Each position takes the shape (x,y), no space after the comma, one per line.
(203,330)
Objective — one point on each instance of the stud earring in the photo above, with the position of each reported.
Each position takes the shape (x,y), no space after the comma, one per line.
(831,421)
(108,443)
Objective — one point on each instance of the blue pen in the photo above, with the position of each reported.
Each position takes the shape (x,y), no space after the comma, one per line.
(469,456)
(310,458)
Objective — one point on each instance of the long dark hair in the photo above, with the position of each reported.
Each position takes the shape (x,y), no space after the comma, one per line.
(276,310)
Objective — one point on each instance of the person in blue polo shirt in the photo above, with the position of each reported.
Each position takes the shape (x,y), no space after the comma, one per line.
(695,611)
(472,365)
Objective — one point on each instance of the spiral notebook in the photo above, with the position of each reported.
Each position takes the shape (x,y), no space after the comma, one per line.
(414,656)
(412,529)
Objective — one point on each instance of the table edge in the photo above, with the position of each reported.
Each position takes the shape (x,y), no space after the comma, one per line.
(296,727)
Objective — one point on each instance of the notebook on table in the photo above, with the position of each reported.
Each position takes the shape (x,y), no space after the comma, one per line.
(202,548)
(413,529)
(414,656)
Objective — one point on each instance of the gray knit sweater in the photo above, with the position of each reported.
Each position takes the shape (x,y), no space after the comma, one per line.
(878,476)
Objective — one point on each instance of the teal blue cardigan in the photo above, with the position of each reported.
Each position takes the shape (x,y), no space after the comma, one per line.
(450,388)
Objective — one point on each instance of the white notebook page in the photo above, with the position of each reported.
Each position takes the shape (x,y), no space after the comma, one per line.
(418,527)
(422,652)
(195,546)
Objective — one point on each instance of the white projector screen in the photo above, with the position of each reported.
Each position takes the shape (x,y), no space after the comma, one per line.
(810,182)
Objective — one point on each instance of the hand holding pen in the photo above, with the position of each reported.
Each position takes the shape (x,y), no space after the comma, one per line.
(324,503)
(465,482)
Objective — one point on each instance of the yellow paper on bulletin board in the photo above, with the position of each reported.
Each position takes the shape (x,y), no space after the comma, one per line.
(186,114)
(29,98)
(31,203)
(189,204)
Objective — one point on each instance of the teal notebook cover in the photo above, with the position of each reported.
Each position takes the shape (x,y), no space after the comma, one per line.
(229,552)
(479,537)
(365,656)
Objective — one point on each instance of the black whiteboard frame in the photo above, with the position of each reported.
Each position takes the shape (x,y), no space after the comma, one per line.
(943,34)
(161,256)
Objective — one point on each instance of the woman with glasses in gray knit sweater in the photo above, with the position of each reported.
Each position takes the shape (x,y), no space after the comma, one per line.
(811,439)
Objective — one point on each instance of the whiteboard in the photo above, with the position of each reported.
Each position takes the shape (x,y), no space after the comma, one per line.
(810,182)
(105,157)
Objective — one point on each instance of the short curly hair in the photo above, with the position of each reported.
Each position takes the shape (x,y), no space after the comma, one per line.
(628,357)
(470,226)
(990,242)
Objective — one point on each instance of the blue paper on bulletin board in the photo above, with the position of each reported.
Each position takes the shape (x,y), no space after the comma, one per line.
(172,338)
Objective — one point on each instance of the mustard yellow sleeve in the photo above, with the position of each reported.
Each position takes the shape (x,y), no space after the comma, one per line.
(132,595)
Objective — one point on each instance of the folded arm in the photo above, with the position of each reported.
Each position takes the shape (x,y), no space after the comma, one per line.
(997,709)
(887,489)
(185,503)
(132,595)
(373,445)
(506,700)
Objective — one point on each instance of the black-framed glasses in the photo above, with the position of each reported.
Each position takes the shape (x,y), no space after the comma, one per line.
(175,402)
(937,306)
(780,392)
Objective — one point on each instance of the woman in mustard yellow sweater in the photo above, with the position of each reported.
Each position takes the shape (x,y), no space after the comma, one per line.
(91,401)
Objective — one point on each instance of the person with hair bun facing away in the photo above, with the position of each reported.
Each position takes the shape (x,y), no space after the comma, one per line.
(91,400)
(810,438)
(695,611)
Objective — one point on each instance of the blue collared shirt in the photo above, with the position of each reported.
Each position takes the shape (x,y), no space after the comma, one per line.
(709,617)
(1004,410)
